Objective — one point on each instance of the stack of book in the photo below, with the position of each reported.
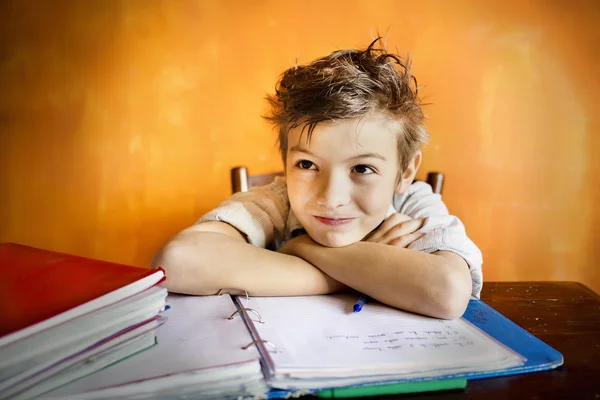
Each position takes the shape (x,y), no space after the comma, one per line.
(63,317)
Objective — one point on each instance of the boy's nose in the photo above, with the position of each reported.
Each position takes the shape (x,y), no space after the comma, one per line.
(334,191)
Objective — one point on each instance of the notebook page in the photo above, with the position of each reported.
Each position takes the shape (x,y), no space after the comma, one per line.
(196,335)
(321,336)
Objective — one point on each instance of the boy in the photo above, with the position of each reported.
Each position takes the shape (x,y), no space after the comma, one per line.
(346,215)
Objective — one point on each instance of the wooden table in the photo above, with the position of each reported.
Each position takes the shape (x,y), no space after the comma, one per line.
(565,315)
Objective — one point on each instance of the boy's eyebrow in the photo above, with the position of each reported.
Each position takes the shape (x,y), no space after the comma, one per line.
(301,149)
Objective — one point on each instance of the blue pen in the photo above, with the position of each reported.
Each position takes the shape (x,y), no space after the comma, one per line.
(360,303)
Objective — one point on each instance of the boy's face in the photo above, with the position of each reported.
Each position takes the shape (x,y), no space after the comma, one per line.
(341,184)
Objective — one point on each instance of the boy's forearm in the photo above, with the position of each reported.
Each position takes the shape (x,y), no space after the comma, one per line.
(201,263)
(437,285)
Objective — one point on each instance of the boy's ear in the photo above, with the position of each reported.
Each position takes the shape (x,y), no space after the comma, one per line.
(407,177)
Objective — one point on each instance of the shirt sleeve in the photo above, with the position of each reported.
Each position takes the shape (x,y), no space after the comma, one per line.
(443,232)
(260,213)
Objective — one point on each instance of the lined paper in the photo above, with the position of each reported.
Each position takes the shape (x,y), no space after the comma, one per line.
(320,336)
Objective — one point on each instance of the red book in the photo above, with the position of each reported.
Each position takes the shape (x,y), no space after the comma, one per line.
(40,288)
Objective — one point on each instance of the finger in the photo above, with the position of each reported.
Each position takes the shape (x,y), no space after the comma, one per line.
(388,226)
(406,240)
(389,223)
(402,229)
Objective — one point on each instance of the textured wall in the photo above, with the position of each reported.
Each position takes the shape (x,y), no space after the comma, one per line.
(119,120)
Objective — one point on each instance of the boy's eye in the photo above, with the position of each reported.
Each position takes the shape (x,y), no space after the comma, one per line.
(305,164)
(363,169)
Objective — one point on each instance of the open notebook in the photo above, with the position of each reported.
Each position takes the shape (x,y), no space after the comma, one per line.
(304,344)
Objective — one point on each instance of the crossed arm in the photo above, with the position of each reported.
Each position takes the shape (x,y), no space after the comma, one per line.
(213,255)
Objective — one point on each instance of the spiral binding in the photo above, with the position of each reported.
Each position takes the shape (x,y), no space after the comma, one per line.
(221,292)
(261,341)
(260,320)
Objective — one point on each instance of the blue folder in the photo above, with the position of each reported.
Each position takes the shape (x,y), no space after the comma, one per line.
(539,355)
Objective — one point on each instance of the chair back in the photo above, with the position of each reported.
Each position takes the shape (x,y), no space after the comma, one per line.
(242,181)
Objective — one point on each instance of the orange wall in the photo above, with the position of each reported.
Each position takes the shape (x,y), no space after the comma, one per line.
(119,120)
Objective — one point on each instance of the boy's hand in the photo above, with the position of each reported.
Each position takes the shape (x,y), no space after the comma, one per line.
(398,230)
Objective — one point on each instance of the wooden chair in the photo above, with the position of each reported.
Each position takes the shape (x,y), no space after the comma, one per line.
(241,180)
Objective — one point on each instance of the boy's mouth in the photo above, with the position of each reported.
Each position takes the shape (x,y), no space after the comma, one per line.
(334,221)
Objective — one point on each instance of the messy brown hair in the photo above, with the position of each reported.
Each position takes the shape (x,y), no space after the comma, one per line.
(350,84)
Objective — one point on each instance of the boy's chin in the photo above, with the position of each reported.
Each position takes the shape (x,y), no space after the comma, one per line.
(334,240)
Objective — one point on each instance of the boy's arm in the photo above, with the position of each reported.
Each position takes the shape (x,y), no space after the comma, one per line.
(210,256)
(437,284)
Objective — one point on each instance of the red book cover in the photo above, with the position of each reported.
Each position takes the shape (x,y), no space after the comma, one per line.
(38,285)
